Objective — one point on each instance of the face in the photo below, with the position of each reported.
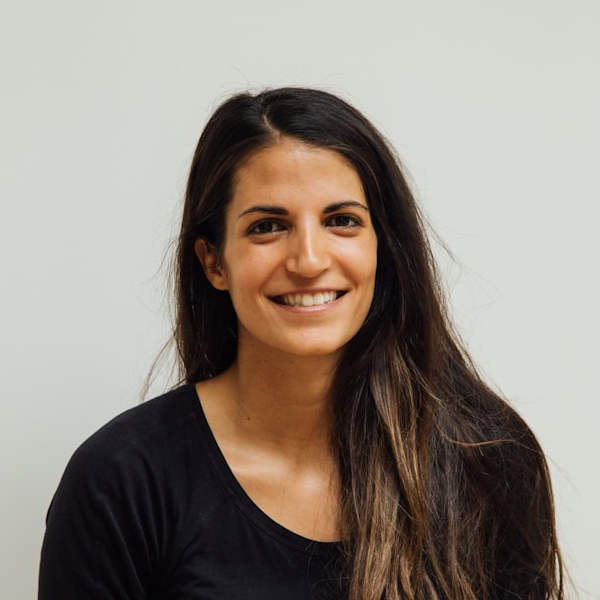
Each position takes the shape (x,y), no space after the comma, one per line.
(300,251)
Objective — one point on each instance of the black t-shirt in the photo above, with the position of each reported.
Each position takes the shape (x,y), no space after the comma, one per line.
(148,508)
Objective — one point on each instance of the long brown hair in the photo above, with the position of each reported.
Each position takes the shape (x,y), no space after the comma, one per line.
(446,492)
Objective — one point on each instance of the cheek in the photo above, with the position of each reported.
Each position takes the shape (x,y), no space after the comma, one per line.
(363,261)
(248,273)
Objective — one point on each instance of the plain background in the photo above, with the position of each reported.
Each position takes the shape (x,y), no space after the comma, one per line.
(492,106)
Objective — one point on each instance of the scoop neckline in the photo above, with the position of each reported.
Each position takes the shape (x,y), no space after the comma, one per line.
(243,500)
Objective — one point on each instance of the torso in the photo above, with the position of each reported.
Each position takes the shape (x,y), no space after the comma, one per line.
(306,503)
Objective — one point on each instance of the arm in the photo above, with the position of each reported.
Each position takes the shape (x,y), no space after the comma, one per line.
(529,564)
(96,543)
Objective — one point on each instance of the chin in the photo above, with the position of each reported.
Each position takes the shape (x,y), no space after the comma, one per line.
(308,349)
(307,353)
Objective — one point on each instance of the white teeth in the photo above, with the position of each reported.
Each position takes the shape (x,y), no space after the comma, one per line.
(308,299)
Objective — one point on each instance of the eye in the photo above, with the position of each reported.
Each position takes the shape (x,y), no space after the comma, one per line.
(269,226)
(354,221)
(263,227)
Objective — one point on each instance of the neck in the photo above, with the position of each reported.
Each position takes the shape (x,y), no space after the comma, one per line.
(282,402)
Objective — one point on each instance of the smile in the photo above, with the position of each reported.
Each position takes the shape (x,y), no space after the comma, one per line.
(309,302)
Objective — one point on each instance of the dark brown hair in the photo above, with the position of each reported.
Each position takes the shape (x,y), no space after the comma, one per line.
(446,492)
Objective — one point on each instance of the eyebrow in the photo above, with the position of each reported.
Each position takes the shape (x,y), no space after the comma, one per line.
(279,210)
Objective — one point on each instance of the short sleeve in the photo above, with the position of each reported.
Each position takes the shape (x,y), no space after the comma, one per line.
(98,541)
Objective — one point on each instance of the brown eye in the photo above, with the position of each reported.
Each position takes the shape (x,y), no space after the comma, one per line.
(346,221)
(263,227)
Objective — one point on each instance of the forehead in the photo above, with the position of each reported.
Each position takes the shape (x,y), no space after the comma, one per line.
(291,167)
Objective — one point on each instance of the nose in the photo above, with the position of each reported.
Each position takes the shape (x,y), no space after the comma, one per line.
(308,255)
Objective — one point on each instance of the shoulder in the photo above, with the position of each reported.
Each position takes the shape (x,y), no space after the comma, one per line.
(120,501)
(490,425)
(493,454)
(494,488)
(138,443)
(132,498)
(160,415)
(512,445)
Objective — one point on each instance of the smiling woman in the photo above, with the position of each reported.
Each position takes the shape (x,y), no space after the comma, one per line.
(308,254)
(329,436)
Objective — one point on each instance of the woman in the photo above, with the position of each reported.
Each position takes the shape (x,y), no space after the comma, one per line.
(330,437)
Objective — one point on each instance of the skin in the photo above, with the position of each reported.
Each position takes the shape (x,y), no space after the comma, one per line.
(272,412)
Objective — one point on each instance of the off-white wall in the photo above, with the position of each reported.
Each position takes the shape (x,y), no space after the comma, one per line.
(493,107)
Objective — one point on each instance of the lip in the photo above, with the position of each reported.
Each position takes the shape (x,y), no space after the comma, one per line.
(319,308)
(310,291)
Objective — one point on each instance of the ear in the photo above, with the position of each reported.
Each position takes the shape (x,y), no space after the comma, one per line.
(207,255)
